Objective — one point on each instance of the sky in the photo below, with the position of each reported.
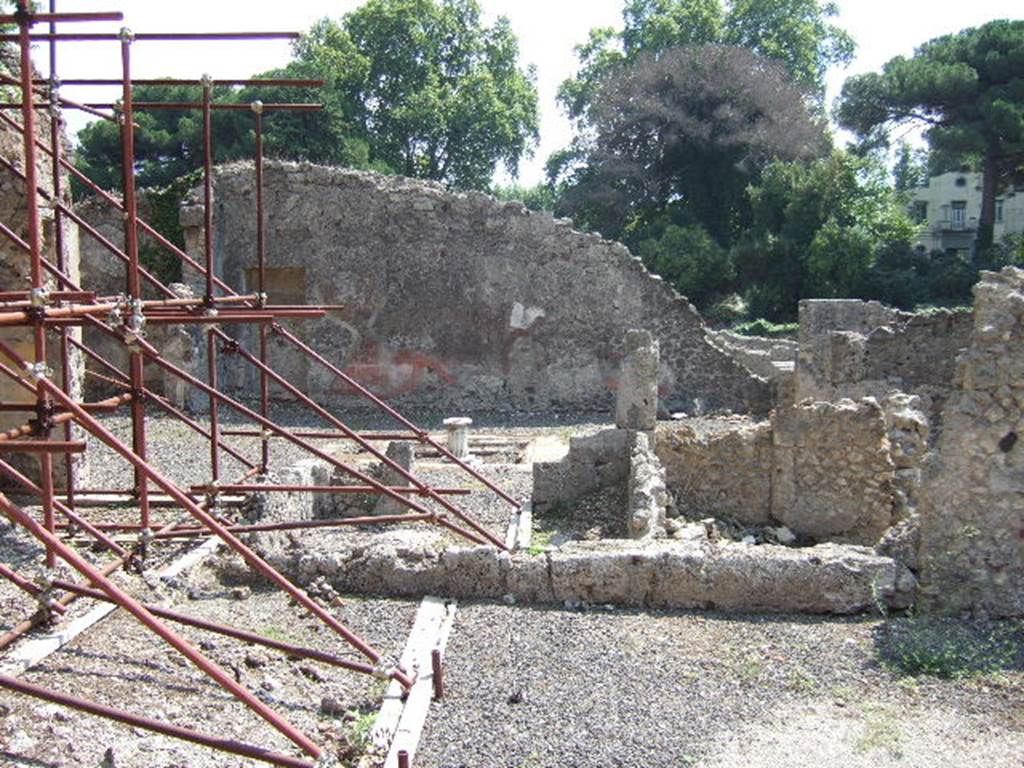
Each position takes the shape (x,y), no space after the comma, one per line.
(547,30)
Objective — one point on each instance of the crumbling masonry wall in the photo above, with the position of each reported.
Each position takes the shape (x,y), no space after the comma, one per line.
(824,470)
(459,300)
(105,274)
(852,348)
(15,264)
(972,510)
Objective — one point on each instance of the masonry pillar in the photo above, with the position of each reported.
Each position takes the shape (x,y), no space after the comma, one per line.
(636,401)
(972,529)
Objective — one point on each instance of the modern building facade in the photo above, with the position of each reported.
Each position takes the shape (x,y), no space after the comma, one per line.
(949,206)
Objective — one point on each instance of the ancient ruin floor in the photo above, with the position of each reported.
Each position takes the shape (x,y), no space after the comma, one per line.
(579,685)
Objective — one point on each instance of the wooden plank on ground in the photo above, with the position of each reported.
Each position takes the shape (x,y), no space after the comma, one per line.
(400,723)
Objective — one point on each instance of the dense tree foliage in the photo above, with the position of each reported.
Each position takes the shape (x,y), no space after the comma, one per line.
(677,138)
(819,230)
(676,114)
(797,33)
(434,92)
(418,87)
(967,88)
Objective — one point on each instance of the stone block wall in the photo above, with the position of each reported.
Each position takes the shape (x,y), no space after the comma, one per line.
(833,475)
(105,274)
(15,265)
(719,472)
(459,300)
(972,510)
(852,348)
(824,470)
(768,358)
(592,463)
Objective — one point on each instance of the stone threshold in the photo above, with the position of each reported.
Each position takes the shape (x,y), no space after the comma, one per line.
(656,574)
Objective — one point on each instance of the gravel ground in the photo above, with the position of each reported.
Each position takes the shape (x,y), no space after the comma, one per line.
(118,663)
(525,686)
(531,687)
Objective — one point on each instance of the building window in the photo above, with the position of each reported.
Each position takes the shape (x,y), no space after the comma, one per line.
(999,211)
(961,181)
(920,211)
(958,212)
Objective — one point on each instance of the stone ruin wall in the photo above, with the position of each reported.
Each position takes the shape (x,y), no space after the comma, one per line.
(852,348)
(458,301)
(821,469)
(15,264)
(105,274)
(972,510)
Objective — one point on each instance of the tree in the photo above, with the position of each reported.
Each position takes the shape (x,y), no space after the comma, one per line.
(419,87)
(682,135)
(795,32)
(691,261)
(819,230)
(910,169)
(433,92)
(967,89)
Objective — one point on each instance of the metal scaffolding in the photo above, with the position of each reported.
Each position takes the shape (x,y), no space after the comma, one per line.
(52,304)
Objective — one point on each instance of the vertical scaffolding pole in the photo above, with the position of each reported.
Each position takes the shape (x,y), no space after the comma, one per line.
(134,283)
(38,291)
(261,288)
(60,246)
(211,346)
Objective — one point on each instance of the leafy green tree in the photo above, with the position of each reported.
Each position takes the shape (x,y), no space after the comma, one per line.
(910,169)
(819,230)
(539,197)
(691,261)
(419,87)
(677,138)
(967,89)
(433,92)
(796,32)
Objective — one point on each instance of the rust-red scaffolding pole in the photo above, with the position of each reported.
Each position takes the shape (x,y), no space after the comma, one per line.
(38,288)
(255,561)
(136,362)
(157,726)
(136,609)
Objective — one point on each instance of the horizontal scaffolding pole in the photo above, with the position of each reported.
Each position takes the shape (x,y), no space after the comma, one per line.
(153,36)
(39,18)
(239,634)
(216,106)
(274,487)
(42,446)
(250,82)
(149,724)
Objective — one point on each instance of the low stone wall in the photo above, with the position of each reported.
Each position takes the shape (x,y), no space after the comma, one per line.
(592,463)
(770,358)
(972,511)
(821,469)
(459,301)
(720,472)
(833,474)
(851,348)
(646,491)
(653,574)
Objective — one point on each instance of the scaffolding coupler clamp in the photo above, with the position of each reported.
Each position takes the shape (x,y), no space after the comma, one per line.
(211,313)
(39,297)
(37,371)
(386,668)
